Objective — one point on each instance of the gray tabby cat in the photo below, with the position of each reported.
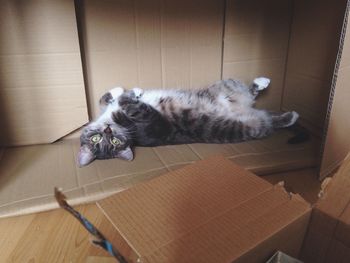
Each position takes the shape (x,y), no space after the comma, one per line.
(220,113)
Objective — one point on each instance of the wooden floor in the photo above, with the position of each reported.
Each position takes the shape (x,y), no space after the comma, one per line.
(56,236)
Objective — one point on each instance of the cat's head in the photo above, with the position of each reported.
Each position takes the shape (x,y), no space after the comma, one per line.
(103,141)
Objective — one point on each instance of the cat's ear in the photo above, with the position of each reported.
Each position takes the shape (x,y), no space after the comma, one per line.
(85,156)
(126,154)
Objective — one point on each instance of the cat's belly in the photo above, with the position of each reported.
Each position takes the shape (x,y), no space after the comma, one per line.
(153,97)
(179,100)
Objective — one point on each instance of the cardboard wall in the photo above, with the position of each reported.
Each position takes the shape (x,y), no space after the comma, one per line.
(256,44)
(337,141)
(42,95)
(162,43)
(312,53)
(150,44)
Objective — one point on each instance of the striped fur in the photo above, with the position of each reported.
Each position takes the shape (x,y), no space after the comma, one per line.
(220,113)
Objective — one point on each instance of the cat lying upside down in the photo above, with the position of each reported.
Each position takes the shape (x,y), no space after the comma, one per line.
(220,113)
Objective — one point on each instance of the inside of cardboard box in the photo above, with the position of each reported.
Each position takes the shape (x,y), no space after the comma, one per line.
(166,44)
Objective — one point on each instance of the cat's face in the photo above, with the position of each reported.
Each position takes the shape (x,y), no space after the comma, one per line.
(103,141)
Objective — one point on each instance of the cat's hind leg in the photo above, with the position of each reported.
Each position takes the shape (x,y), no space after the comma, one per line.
(233,94)
(230,87)
(284,120)
(258,85)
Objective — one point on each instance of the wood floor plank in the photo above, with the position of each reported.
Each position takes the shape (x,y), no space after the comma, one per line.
(11,232)
(101,259)
(53,236)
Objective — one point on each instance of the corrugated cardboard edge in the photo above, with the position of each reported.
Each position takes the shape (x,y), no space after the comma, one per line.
(325,172)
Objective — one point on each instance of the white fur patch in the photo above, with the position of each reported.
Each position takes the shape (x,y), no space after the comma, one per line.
(262,83)
(152,97)
(116,92)
(138,92)
(295,117)
(106,116)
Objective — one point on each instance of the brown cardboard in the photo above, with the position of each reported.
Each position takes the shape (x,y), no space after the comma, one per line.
(329,229)
(338,253)
(150,44)
(343,228)
(42,96)
(158,44)
(336,139)
(256,44)
(211,211)
(313,47)
(54,165)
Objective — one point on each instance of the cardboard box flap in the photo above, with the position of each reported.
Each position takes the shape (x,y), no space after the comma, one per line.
(201,193)
(336,196)
(330,221)
(230,235)
(336,202)
(336,140)
(213,206)
(42,95)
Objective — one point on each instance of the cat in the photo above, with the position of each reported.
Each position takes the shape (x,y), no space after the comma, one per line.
(220,113)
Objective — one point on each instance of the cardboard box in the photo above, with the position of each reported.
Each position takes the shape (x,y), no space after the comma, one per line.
(59,57)
(210,211)
(215,211)
(328,236)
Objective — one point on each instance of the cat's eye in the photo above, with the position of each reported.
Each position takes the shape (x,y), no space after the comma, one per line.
(115,141)
(96,138)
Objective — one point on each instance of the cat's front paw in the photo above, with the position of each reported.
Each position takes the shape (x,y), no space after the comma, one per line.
(138,92)
(110,97)
(116,92)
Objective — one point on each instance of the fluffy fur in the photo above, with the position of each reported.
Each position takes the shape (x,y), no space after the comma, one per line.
(220,113)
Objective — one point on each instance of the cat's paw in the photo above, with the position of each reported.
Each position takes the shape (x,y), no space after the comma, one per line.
(261,83)
(289,119)
(295,117)
(116,92)
(110,97)
(138,92)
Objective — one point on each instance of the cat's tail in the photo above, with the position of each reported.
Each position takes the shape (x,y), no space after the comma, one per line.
(300,134)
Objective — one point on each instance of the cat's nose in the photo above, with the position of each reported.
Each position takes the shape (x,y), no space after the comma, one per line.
(108,130)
